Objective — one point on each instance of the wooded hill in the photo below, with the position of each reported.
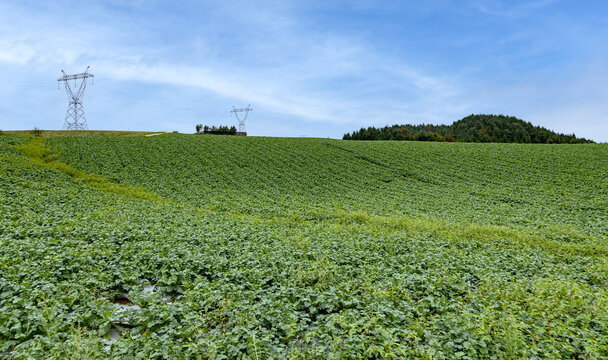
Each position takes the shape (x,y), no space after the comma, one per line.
(473,128)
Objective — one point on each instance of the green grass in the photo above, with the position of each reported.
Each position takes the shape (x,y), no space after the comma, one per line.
(302,248)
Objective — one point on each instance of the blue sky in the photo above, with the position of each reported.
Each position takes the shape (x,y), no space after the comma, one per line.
(308,68)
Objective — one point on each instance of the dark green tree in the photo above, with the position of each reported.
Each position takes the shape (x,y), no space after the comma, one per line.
(473,128)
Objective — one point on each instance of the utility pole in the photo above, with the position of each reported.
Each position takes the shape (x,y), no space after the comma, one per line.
(74,118)
(242,121)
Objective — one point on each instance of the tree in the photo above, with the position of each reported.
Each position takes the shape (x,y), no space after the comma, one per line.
(199,127)
(473,128)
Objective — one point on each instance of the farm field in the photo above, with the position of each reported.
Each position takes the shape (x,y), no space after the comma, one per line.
(54,133)
(185,246)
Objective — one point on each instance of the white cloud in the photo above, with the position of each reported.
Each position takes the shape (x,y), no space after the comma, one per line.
(265,56)
(298,82)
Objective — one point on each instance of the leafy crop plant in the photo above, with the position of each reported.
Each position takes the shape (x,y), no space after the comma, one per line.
(194,247)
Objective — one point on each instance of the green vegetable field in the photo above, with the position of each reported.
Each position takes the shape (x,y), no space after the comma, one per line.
(218,247)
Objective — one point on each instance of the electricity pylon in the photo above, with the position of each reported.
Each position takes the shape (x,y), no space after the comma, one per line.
(74,118)
(242,121)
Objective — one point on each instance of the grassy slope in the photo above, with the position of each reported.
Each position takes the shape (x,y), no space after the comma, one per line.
(55,133)
(306,246)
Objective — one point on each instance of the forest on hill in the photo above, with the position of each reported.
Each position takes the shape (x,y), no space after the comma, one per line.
(473,128)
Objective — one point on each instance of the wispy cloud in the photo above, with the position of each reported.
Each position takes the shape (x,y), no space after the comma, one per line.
(295,61)
(296,86)
(510,9)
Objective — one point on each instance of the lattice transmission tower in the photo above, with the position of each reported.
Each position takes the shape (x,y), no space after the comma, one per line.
(236,112)
(74,118)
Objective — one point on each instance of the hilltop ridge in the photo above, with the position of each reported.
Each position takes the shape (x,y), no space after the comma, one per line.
(473,128)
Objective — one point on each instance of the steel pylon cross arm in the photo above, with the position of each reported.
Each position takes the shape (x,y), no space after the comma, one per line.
(83,75)
(75,77)
(247,109)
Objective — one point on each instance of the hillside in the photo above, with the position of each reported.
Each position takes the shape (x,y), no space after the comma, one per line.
(473,128)
(55,133)
(307,248)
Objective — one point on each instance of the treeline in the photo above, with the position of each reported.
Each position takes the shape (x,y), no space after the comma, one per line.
(473,128)
(220,130)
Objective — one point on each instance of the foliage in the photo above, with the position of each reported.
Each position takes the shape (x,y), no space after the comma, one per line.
(473,128)
(221,130)
(199,127)
(302,248)
(46,156)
